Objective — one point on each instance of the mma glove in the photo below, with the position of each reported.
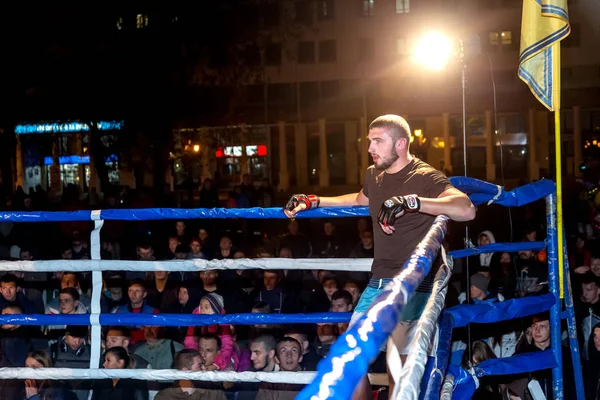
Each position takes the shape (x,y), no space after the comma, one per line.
(396,207)
(311,201)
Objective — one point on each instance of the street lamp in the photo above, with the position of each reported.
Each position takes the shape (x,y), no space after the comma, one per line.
(434,51)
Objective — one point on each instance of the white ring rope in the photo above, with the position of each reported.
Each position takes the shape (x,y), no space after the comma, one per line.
(304,377)
(447,387)
(329,264)
(414,368)
(96,331)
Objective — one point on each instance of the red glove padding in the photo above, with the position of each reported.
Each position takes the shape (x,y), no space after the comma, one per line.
(311,201)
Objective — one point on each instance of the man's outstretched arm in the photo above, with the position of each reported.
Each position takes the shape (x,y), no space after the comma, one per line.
(301,202)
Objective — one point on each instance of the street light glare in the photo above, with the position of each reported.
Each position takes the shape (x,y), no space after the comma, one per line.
(433,50)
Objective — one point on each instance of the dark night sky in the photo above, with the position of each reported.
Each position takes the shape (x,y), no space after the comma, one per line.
(73,62)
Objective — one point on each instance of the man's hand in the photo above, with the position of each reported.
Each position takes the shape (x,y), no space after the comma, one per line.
(300,202)
(395,207)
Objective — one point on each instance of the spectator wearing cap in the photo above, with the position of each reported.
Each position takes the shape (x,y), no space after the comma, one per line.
(479,291)
(211,304)
(73,351)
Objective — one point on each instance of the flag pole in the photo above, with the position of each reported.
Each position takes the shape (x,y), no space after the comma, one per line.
(557,149)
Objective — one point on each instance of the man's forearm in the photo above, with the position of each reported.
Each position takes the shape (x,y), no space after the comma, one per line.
(346,200)
(457,208)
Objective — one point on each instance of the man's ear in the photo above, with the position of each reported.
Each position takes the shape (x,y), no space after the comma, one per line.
(276,360)
(300,360)
(402,144)
(351,307)
(145,294)
(305,345)
(126,343)
(271,354)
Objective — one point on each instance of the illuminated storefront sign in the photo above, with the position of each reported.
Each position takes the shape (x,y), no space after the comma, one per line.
(67,127)
(236,151)
(77,159)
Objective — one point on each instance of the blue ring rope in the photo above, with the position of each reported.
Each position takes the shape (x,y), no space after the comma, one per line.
(479,192)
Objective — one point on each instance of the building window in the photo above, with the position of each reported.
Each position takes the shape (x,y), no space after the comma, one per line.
(271,15)
(366,49)
(278,93)
(330,89)
(327,51)
(306,52)
(304,12)
(326,10)
(251,55)
(255,93)
(367,8)
(141,21)
(574,38)
(500,38)
(273,54)
(309,94)
(402,6)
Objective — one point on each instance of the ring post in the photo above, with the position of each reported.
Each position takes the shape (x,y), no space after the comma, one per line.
(555,321)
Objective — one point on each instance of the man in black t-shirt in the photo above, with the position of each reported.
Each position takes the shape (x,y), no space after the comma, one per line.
(404,194)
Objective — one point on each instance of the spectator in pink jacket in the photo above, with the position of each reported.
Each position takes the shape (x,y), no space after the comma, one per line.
(212,303)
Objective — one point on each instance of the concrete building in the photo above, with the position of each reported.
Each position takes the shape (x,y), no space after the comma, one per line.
(351,61)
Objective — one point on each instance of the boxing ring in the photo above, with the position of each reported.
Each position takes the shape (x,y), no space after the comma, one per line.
(349,358)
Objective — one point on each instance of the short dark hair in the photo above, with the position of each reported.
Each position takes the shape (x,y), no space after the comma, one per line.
(268,341)
(123,330)
(396,126)
(71,292)
(211,336)
(589,277)
(9,278)
(342,294)
(185,358)
(138,282)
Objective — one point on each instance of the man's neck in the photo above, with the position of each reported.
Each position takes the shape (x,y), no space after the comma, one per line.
(542,345)
(155,342)
(160,284)
(399,164)
(187,386)
(137,305)
(270,367)
(210,288)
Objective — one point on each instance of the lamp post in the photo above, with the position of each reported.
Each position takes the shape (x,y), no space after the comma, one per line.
(434,51)
(190,154)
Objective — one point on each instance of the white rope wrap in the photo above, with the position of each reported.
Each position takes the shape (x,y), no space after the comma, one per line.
(303,377)
(414,367)
(329,264)
(96,334)
(447,387)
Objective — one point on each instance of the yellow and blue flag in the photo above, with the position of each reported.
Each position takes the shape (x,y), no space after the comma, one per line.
(545,23)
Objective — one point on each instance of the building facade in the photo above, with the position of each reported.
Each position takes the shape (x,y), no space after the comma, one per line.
(353,61)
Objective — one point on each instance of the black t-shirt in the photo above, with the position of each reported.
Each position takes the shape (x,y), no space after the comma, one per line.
(392,251)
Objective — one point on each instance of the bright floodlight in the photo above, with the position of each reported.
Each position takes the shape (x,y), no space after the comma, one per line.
(433,50)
